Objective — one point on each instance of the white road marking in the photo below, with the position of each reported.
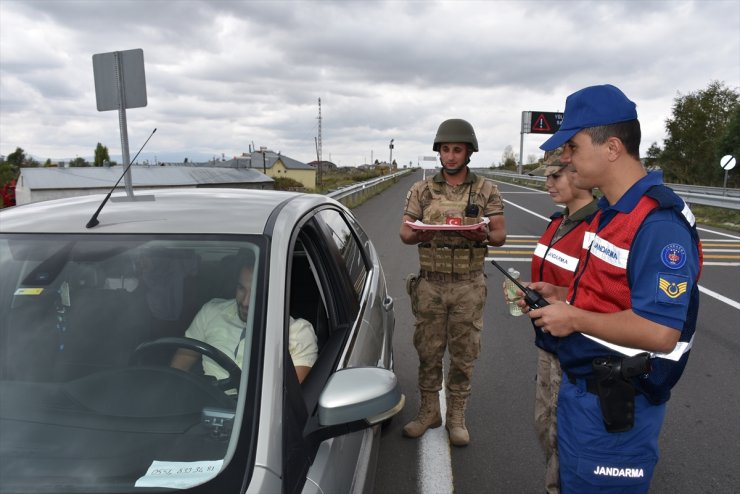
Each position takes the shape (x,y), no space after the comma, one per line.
(508,259)
(717,233)
(721,298)
(435,462)
(526,210)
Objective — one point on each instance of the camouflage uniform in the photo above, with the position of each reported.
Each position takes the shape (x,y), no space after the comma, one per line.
(449,294)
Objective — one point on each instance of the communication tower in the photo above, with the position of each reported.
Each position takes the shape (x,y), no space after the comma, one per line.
(318,151)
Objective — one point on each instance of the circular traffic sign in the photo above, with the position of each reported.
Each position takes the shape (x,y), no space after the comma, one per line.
(727,162)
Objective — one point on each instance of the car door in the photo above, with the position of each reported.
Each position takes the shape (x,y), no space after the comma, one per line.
(327,281)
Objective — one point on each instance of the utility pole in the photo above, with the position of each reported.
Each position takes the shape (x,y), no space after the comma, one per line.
(318,152)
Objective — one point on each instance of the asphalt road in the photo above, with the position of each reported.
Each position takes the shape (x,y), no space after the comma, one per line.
(700,442)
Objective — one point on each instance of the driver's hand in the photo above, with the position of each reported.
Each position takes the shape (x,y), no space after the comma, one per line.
(184,359)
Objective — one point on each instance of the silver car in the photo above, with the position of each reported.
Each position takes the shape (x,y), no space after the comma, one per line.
(94,306)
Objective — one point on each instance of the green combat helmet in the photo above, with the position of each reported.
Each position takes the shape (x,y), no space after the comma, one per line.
(455,130)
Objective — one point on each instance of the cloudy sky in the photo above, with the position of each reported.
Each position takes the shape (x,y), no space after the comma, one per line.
(222,76)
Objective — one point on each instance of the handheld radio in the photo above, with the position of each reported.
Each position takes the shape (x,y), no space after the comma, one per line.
(532,297)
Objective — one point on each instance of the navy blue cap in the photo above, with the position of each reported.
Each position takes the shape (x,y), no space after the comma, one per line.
(591,107)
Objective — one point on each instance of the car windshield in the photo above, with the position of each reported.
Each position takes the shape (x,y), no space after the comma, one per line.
(117,358)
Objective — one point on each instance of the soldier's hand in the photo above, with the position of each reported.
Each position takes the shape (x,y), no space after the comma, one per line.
(479,235)
(424,235)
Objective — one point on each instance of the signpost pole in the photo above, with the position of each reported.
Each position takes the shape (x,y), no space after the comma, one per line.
(521,150)
(727,163)
(122,124)
(120,83)
(724,185)
(525,128)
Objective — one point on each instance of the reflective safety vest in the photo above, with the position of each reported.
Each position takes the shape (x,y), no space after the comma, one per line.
(601,284)
(555,262)
(450,252)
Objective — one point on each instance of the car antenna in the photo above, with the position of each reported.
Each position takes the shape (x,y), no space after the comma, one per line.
(94,220)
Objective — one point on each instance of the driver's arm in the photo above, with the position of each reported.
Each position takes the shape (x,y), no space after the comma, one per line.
(302,371)
(184,359)
(302,346)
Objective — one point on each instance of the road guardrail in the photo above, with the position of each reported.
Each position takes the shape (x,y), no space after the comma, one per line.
(354,195)
(693,194)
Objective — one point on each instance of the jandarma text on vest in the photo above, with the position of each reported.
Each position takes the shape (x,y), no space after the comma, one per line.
(619,472)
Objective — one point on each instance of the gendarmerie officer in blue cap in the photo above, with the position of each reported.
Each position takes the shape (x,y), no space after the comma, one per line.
(627,320)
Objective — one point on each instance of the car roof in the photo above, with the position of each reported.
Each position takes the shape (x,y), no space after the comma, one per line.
(210,211)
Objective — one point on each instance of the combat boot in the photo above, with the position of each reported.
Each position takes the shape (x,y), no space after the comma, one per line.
(455,423)
(427,418)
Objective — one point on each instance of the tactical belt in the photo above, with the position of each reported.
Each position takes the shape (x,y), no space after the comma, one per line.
(444,259)
(436,276)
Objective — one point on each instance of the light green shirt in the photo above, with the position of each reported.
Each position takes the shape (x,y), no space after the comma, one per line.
(218,324)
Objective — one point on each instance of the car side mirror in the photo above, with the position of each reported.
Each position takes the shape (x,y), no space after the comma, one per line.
(354,399)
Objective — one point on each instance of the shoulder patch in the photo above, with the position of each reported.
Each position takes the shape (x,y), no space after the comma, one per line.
(673,256)
(671,288)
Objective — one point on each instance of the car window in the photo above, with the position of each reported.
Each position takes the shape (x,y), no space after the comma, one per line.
(90,326)
(349,249)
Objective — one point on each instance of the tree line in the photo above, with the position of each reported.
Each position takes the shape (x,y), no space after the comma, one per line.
(705,127)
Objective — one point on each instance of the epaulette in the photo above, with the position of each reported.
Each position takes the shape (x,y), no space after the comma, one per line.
(666,198)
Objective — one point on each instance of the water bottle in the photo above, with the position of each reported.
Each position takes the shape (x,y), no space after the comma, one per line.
(511,293)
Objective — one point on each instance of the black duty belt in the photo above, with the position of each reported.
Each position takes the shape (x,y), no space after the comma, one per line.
(437,276)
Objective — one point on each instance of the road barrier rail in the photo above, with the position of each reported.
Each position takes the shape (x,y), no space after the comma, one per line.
(354,195)
(719,197)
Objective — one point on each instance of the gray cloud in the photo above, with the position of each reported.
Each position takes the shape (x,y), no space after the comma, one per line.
(223,75)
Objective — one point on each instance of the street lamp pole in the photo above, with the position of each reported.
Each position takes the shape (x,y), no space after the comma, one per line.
(390,160)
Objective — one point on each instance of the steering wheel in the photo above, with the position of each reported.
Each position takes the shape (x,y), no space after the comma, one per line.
(203,348)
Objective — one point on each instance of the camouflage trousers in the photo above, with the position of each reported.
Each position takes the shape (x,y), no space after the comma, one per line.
(449,315)
(547,389)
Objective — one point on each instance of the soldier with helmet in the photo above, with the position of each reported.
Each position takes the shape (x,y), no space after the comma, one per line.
(448,295)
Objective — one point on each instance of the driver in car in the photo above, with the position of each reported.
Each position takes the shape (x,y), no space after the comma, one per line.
(223,324)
